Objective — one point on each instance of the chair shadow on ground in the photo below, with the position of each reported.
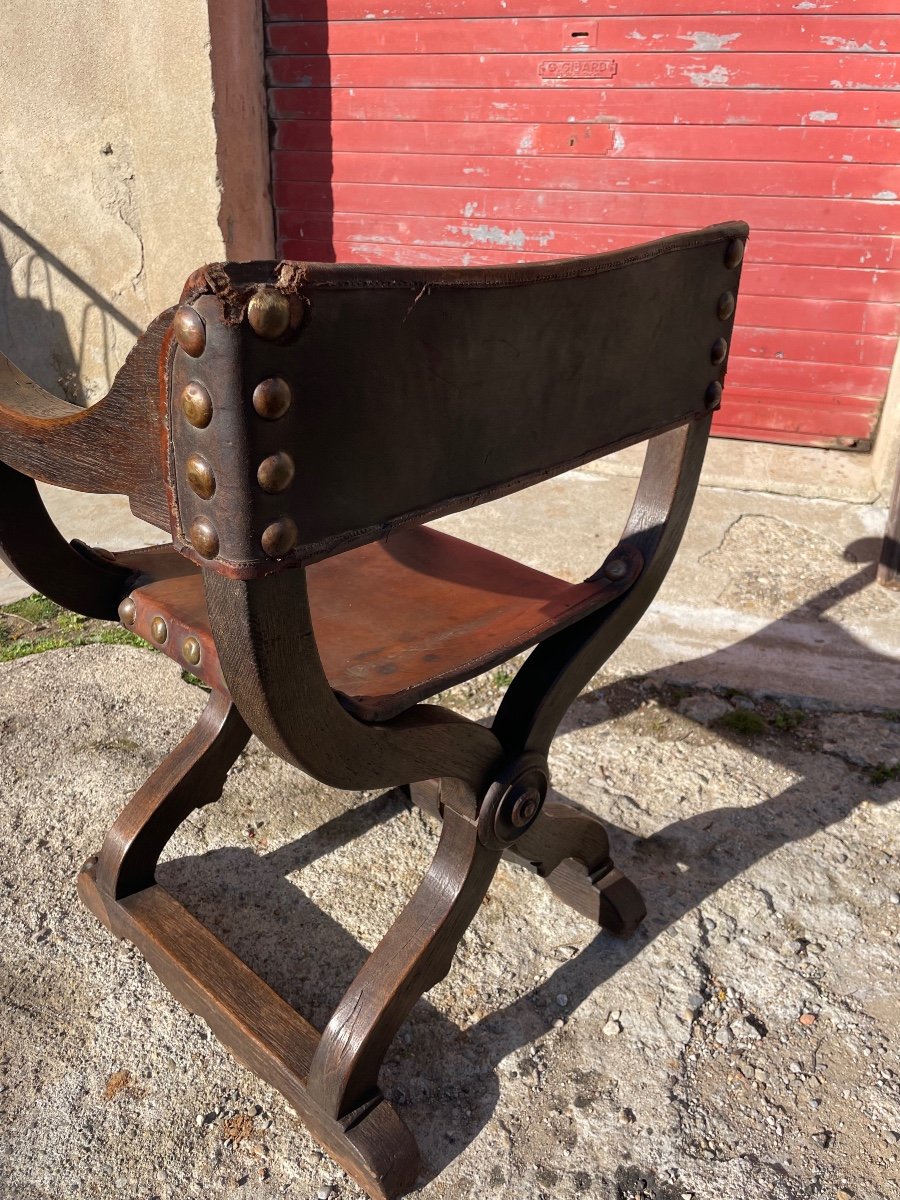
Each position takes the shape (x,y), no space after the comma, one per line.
(247,900)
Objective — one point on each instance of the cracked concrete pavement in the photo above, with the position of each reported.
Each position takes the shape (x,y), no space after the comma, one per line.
(744,749)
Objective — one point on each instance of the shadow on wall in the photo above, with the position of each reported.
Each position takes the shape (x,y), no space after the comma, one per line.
(33,332)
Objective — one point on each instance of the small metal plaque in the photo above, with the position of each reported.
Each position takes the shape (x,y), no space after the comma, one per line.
(577,67)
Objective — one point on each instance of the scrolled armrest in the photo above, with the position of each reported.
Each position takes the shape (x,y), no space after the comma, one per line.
(112,446)
(25,404)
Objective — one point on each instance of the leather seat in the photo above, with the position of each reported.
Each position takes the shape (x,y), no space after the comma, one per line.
(396,621)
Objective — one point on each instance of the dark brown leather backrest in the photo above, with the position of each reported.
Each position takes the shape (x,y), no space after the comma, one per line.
(418,392)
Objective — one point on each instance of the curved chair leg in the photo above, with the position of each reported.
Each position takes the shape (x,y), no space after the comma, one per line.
(193,775)
(569,848)
(68,573)
(263,1032)
(415,953)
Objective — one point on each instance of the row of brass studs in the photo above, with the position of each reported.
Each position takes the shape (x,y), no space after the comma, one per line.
(197,406)
(159,631)
(269,314)
(734,253)
(277,539)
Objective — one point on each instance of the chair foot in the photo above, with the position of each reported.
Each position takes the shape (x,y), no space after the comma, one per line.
(569,848)
(606,897)
(331,1079)
(262,1031)
(88,894)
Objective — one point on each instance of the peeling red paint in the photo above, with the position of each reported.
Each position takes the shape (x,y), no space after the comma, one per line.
(493,131)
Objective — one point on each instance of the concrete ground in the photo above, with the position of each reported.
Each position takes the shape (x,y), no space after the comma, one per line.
(744,749)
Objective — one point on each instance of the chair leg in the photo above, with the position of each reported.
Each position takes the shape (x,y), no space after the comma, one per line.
(331,1079)
(262,1031)
(569,848)
(415,953)
(193,775)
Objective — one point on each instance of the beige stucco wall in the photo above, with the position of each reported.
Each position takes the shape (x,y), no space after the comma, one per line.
(113,186)
(886,455)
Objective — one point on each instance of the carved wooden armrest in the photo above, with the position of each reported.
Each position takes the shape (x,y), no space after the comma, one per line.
(112,446)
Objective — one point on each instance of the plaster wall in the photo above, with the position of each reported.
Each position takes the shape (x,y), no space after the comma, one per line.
(886,453)
(111,186)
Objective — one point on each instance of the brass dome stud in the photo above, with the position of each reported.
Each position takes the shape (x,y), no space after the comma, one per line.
(190,651)
(190,331)
(204,537)
(276,472)
(159,630)
(714,394)
(280,537)
(725,307)
(269,313)
(128,612)
(734,253)
(272,398)
(200,476)
(196,404)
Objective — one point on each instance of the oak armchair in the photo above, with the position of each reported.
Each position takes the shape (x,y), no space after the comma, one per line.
(294,426)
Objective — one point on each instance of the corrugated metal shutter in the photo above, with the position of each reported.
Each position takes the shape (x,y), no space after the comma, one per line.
(484,131)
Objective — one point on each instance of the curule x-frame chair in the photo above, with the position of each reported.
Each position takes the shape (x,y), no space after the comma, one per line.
(293,426)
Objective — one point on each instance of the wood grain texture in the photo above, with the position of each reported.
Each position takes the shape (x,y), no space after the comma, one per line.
(192,776)
(261,1030)
(31,545)
(414,955)
(112,447)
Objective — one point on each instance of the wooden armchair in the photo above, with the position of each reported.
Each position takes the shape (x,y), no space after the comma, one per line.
(294,426)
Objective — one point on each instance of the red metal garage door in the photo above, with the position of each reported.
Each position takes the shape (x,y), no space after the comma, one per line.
(483,131)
